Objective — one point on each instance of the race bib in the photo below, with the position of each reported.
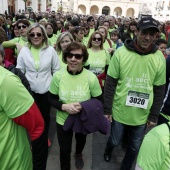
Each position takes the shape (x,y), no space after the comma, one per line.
(137,99)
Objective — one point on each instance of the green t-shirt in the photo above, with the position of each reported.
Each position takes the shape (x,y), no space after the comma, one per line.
(15,100)
(91,31)
(73,88)
(114,45)
(154,153)
(136,74)
(98,61)
(85,40)
(62,64)
(110,31)
(106,45)
(52,41)
(31,21)
(163,36)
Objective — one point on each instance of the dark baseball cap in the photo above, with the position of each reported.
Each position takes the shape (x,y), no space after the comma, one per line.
(149,22)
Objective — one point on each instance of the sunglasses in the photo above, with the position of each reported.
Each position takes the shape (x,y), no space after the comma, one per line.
(22,26)
(91,21)
(37,34)
(77,56)
(99,39)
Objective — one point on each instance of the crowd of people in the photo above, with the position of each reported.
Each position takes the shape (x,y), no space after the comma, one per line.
(96,71)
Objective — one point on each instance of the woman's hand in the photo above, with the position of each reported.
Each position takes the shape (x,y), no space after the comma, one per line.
(72,108)
(110,50)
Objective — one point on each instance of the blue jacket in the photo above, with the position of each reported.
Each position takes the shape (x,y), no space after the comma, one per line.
(89,120)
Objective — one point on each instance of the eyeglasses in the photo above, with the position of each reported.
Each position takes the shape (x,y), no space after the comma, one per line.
(91,20)
(87,28)
(99,39)
(22,26)
(37,34)
(77,56)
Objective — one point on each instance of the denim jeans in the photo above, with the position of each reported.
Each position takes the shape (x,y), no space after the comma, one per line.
(135,137)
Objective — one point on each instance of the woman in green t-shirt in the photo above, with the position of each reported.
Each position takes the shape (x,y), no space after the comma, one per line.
(98,57)
(69,87)
(86,34)
(63,40)
(52,38)
(107,43)
(21,41)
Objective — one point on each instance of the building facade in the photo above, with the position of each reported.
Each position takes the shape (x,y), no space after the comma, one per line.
(159,9)
(128,8)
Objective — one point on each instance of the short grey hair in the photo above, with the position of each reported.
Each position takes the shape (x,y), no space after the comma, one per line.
(45,40)
(59,39)
(2,52)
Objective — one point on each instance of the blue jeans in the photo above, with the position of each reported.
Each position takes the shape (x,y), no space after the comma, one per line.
(135,137)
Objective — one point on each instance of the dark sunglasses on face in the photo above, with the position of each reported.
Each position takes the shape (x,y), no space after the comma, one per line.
(91,20)
(22,26)
(99,39)
(77,56)
(37,34)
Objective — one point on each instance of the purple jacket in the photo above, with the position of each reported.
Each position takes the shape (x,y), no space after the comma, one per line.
(89,120)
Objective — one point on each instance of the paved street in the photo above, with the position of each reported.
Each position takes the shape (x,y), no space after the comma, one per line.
(92,154)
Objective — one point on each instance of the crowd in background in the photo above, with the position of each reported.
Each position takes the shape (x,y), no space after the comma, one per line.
(39,48)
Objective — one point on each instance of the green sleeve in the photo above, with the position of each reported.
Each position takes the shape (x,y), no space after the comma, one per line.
(10,43)
(54,85)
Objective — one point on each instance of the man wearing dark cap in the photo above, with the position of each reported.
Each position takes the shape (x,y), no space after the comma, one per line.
(134,90)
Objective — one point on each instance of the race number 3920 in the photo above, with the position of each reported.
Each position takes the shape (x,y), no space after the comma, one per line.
(137,99)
